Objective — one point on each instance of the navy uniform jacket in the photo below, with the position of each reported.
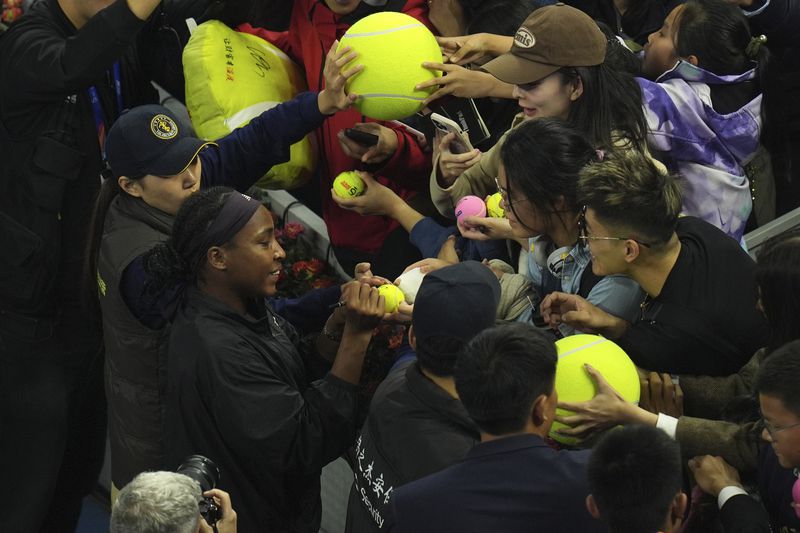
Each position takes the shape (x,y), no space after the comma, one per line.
(513,484)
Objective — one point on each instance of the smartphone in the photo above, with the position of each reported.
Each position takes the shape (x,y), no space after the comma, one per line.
(361,137)
(461,143)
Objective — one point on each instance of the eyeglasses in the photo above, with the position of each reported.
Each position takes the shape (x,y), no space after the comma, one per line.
(584,237)
(772,430)
(504,195)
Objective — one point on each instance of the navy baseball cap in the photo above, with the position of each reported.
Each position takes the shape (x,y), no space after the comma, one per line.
(147,140)
(457,301)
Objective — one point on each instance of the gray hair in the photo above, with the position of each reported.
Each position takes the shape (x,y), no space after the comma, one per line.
(157,502)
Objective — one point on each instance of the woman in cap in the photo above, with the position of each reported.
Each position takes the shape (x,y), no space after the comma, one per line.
(556,64)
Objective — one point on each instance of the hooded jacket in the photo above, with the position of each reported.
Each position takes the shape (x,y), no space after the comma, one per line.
(707,148)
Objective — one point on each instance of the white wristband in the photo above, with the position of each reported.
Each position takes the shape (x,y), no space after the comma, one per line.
(668,424)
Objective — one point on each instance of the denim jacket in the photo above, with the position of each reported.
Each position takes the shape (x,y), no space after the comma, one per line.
(618,295)
(708,149)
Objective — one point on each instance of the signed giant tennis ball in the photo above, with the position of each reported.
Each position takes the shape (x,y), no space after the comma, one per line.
(392,295)
(348,184)
(574,384)
(392,47)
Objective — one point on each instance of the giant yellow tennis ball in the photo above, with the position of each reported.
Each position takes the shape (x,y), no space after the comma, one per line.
(348,184)
(493,208)
(574,384)
(392,47)
(392,296)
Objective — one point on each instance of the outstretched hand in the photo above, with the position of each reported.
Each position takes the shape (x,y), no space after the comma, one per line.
(579,313)
(372,155)
(451,164)
(458,81)
(468,48)
(660,394)
(377,199)
(428,265)
(485,228)
(713,474)
(363,273)
(604,410)
(334,96)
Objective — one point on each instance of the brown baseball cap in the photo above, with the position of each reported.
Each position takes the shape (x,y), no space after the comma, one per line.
(551,37)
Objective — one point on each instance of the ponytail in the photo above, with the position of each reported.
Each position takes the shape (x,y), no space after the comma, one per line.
(718,34)
(107,193)
(772,95)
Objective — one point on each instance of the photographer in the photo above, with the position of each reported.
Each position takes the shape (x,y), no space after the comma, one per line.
(167,502)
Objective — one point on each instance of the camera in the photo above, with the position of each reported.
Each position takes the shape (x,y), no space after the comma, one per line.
(206,473)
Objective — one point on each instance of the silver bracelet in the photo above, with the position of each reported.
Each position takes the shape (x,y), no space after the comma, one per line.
(335,337)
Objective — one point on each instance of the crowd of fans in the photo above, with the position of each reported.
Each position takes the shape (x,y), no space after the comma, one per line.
(634,144)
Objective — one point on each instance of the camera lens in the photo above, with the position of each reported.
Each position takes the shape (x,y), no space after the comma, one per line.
(201,469)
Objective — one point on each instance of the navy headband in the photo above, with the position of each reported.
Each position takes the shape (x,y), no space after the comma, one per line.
(233,216)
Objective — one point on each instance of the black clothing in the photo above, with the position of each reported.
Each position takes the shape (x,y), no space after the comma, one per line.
(640,19)
(53,408)
(50,169)
(705,320)
(514,484)
(135,355)
(238,392)
(743,514)
(414,429)
(775,488)
(52,423)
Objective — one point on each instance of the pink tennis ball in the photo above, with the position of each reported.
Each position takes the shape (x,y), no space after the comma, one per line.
(796,497)
(470,206)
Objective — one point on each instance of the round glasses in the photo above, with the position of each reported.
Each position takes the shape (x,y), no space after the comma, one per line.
(584,237)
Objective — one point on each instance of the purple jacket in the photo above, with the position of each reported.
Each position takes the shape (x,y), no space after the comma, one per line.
(707,149)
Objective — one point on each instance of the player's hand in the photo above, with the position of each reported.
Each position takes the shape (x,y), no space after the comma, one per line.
(379,153)
(364,306)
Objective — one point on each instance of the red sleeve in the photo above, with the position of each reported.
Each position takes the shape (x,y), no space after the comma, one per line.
(411,164)
(419,10)
(281,39)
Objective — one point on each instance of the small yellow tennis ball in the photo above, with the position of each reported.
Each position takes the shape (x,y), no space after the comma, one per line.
(392,47)
(493,206)
(574,384)
(348,184)
(392,295)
